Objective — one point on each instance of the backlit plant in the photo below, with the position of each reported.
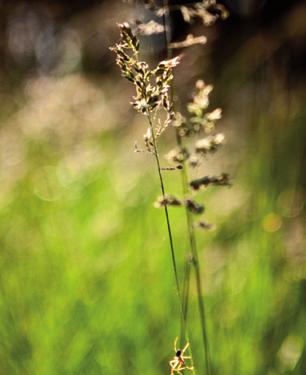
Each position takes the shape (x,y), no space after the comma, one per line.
(195,136)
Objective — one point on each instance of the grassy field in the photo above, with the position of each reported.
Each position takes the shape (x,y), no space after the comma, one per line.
(86,285)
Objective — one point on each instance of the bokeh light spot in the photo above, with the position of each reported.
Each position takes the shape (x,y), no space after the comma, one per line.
(272,222)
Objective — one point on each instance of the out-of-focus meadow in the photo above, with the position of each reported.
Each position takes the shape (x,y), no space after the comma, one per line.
(86,285)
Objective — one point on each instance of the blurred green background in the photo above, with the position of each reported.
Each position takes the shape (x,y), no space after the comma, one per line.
(86,284)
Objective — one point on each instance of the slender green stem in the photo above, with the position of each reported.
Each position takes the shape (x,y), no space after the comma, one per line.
(186,285)
(174,265)
(196,266)
(162,187)
(201,304)
(192,239)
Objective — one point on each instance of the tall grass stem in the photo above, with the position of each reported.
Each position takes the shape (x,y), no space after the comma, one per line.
(174,265)
(191,235)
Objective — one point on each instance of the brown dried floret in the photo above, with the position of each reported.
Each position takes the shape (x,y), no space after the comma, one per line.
(222,180)
(209,144)
(193,206)
(178,155)
(167,200)
(171,200)
(194,161)
(189,41)
(207,10)
(203,225)
(180,123)
(150,28)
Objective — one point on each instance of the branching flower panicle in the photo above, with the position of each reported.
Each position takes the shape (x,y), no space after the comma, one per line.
(199,122)
(152,85)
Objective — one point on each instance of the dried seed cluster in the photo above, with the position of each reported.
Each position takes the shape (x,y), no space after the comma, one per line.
(199,122)
(152,95)
(152,85)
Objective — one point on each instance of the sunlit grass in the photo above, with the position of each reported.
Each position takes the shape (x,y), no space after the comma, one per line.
(84,267)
